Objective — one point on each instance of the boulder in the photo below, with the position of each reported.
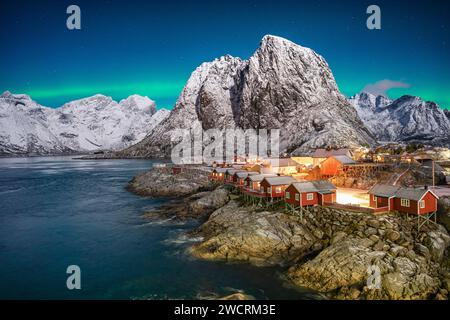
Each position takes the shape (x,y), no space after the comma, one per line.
(235,233)
(210,201)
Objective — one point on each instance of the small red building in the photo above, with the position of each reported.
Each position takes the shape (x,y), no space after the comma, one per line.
(274,187)
(309,193)
(421,201)
(335,164)
(218,174)
(253,182)
(229,175)
(240,176)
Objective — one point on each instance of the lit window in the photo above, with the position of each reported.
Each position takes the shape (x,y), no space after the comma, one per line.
(288,195)
(297,197)
(310,196)
(422,204)
(278,190)
(405,203)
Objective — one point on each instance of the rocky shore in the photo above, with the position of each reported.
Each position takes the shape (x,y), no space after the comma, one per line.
(160,182)
(330,251)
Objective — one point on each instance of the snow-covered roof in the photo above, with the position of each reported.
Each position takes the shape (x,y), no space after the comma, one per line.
(344,159)
(383,190)
(388,191)
(245,174)
(322,186)
(260,177)
(279,181)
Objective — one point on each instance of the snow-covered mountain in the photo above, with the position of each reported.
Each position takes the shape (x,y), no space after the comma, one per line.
(407,119)
(447,113)
(90,124)
(282,86)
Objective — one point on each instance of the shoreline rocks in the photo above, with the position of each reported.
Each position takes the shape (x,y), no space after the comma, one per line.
(161,182)
(196,206)
(331,251)
(235,233)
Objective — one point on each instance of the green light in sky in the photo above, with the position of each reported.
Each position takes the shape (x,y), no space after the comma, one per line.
(155,90)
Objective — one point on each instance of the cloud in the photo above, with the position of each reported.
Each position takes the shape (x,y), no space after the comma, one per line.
(383,86)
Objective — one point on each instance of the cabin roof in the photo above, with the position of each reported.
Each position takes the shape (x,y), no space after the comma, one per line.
(220,170)
(279,181)
(411,194)
(344,159)
(321,186)
(245,174)
(323,153)
(281,162)
(383,190)
(233,171)
(259,177)
(388,191)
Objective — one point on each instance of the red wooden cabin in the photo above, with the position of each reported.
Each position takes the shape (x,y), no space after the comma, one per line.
(240,176)
(310,193)
(421,201)
(333,165)
(218,174)
(253,183)
(274,187)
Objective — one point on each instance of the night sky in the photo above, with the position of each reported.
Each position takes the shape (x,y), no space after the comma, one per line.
(151,48)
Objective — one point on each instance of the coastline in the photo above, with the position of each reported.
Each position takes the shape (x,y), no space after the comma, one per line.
(328,251)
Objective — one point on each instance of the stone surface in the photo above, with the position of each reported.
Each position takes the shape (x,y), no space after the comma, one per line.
(160,182)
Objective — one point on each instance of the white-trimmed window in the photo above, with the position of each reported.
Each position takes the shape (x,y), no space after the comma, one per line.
(404,203)
(297,197)
(288,195)
(261,189)
(269,190)
(277,189)
(422,204)
(375,198)
(310,196)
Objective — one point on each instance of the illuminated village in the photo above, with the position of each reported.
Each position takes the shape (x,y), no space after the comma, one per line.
(377,181)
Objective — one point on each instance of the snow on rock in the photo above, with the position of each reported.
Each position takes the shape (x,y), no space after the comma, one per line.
(282,86)
(94,123)
(407,119)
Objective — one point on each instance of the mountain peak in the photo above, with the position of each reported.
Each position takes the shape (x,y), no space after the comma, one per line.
(139,102)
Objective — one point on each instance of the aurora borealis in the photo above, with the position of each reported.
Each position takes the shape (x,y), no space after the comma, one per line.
(150,48)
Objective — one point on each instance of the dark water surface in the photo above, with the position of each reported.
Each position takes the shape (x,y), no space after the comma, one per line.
(56,212)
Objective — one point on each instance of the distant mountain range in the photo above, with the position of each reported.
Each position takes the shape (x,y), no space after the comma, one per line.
(91,124)
(282,86)
(407,119)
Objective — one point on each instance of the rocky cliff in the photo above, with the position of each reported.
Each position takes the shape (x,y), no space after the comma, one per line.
(282,86)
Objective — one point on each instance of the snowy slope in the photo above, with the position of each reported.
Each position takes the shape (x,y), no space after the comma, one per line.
(407,119)
(282,86)
(94,123)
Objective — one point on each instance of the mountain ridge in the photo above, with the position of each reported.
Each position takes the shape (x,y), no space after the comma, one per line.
(281,86)
(89,124)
